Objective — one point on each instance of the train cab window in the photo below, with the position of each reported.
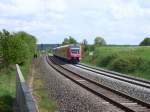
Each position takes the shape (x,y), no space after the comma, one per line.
(75,51)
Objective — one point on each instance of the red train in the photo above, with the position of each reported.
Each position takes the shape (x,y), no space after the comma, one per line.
(72,52)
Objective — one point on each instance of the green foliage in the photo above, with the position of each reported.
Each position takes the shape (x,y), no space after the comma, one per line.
(105,61)
(6,103)
(17,51)
(130,60)
(127,65)
(145,42)
(7,89)
(85,46)
(91,47)
(50,50)
(88,48)
(17,47)
(99,41)
(85,42)
(14,48)
(29,40)
(66,41)
(72,40)
(69,40)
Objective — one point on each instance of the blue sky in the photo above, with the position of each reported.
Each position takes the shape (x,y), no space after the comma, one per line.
(117,21)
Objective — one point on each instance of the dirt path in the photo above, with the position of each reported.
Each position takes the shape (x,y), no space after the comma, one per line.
(31,80)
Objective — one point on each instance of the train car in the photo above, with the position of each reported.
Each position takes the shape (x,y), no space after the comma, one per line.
(71,53)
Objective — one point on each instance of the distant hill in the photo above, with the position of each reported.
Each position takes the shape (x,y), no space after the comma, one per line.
(47,46)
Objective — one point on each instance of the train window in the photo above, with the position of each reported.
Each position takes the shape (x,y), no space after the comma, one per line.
(75,51)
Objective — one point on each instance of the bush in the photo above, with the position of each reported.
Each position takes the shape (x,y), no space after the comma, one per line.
(145,42)
(6,103)
(107,59)
(29,40)
(129,64)
(144,66)
(17,47)
(17,51)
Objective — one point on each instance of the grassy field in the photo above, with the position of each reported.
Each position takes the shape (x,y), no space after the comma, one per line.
(130,60)
(8,86)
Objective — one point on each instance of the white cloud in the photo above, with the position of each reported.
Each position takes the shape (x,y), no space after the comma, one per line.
(80,18)
(56,5)
(32,7)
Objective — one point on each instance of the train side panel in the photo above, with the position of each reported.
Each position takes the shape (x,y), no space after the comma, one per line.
(62,52)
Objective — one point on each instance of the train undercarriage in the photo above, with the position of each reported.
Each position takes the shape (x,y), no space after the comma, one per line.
(73,60)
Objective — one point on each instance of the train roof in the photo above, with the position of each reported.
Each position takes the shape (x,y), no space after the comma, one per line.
(70,46)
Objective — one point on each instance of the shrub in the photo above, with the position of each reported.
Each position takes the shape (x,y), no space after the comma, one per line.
(18,51)
(144,66)
(17,47)
(129,64)
(6,103)
(107,59)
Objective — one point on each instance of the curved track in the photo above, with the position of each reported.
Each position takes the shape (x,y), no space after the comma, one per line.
(115,75)
(120,100)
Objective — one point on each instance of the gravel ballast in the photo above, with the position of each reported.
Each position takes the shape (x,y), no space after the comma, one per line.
(138,92)
(69,96)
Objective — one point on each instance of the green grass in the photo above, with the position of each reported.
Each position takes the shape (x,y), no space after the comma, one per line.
(7,89)
(25,69)
(130,60)
(8,86)
(45,103)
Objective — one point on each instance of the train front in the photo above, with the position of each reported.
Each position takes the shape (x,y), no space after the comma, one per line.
(75,54)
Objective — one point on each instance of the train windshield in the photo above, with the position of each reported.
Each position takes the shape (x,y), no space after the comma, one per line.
(75,51)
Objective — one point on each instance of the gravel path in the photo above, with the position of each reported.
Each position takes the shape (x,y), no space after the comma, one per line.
(69,96)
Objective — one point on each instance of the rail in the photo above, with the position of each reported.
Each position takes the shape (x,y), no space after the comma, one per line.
(24,98)
(117,98)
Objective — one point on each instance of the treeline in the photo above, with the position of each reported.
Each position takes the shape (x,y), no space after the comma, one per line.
(99,41)
(16,47)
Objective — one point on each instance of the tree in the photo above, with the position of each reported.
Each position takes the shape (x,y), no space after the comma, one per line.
(4,43)
(66,41)
(84,42)
(99,41)
(17,51)
(145,42)
(69,40)
(29,39)
(17,47)
(72,40)
(85,45)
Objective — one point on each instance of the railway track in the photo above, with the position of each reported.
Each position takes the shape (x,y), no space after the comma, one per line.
(115,75)
(118,99)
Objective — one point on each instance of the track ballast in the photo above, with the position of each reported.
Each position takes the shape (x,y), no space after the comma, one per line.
(122,101)
(115,75)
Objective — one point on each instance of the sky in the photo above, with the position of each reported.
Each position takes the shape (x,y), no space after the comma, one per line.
(117,21)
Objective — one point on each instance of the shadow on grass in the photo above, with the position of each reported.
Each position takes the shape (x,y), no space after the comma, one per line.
(6,103)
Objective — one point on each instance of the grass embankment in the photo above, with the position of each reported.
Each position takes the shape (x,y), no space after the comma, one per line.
(130,60)
(7,89)
(45,104)
(8,86)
